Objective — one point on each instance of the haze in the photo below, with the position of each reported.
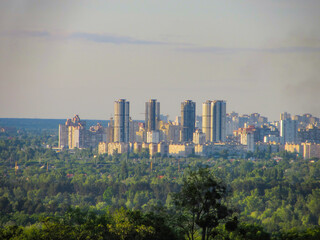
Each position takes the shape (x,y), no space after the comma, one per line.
(60,58)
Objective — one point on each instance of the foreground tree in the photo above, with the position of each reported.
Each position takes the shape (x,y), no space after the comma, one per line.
(201,207)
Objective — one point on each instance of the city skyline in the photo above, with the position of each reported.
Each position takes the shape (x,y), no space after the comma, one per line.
(65,58)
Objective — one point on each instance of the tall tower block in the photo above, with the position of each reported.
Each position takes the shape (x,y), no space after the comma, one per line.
(152,115)
(214,120)
(121,120)
(188,120)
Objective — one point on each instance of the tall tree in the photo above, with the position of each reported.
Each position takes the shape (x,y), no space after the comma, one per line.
(200,204)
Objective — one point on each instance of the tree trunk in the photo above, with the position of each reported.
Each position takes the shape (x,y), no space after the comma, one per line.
(204,230)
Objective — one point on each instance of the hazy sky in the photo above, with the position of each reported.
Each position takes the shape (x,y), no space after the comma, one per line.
(60,58)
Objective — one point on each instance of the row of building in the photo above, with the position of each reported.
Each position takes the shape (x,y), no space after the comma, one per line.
(156,130)
(306,150)
(121,128)
(172,149)
(202,134)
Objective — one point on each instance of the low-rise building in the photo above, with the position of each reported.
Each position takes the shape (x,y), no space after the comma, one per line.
(181,150)
(153,137)
(103,148)
(311,150)
(294,148)
(199,137)
(118,147)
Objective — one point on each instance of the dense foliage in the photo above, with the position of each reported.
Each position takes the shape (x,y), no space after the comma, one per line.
(279,195)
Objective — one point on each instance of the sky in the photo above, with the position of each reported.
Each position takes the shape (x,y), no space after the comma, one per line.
(61,58)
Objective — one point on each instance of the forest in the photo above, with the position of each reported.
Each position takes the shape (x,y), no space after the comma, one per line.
(78,194)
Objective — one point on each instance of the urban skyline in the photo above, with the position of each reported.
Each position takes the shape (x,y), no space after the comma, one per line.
(192,135)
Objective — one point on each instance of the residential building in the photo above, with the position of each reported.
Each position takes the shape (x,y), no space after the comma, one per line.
(311,150)
(199,137)
(294,148)
(181,150)
(188,119)
(73,134)
(288,131)
(311,134)
(152,115)
(121,120)
(214,120)
(118,147)
(103,148)
(153,137)
(169,132)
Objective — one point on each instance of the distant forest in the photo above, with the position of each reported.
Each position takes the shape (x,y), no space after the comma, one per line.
(79,194)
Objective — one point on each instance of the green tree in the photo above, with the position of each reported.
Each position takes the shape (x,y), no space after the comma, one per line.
(201,204)
(107,195)
(126,225)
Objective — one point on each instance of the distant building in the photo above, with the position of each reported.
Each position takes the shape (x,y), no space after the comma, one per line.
(141,135)
(310,134)
(110,131)
(285,116)
(188,120)
(73,134)
(248,136)
(311,150)
(153,137)
(134,127)
(177,121)
(121,120)
(214,120)
(199,122)
(103,148)
(294,148)
(271,147)
(169,132)
(118,147)
(199,137)
(152,115)
(181,150)
(164,118)
(271,138)
(306,119)
(288,131)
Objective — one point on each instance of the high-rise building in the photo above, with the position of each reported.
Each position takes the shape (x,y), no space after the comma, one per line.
(73,134)
(188,120)
(152,115)
(214,120)
(121,120)
(288,131)
(285,116)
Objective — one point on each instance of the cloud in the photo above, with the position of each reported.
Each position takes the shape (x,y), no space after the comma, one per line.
(222,50)
(108,38)
(91,37)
